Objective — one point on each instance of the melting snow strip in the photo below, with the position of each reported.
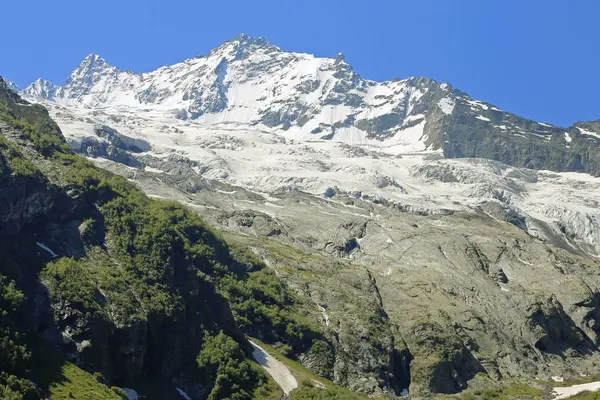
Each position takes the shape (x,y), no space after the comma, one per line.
(44,247)
(278,371)
(568,391)
(183,394)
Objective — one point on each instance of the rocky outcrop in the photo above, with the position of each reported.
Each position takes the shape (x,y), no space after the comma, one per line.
(111,145)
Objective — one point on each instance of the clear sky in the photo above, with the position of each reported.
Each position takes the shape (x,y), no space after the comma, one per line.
(537,58)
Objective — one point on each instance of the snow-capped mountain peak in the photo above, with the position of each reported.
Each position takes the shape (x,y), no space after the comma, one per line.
(243,46)
(42,88)
(93,63)
(250,81)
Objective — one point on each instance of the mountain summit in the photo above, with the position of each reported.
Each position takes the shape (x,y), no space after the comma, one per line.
(253,82)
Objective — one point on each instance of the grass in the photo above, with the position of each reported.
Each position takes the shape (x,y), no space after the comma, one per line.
(75,383)
(585,396)
(510,391)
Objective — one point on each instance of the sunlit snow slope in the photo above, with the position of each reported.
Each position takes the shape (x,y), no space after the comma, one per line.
(253,115)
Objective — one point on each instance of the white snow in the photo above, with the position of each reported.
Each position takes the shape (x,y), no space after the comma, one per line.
(481,117)
(183,394)
(479,104)
(44,247)
(558,379)
(568,137)
(226,146)
(131,394)
(446,105)
(154,170)
(568,391)
(588,132)
(278,371)
(264,161)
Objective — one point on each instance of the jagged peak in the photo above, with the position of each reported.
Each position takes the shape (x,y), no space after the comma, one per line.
(94,59)
(39,84)
(5,83)
(340,57)
(41,88)
(243,44)
(92,62)
(42,81)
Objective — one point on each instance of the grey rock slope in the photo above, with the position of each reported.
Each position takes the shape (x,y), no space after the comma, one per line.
(430,302)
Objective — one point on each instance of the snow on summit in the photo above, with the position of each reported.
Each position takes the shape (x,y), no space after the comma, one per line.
(253,115)
(251,81)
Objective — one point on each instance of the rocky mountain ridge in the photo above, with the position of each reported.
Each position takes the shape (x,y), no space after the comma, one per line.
(250,81)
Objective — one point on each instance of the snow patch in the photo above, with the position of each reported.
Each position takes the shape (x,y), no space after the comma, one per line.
(278,371)
(183,394)
(47,249)
(481,117)
(131,394)
(568,391)
(589,133)
(479,104)
(154,170)
(446,105)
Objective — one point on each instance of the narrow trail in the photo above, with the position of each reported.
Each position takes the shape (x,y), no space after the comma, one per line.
(278,371)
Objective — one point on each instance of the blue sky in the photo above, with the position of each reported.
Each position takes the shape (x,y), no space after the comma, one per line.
(537,58)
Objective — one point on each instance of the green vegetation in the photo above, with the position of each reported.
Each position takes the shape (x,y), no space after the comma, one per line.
(144,297)
(33,123)
(263,306)
(309,391)
(75,383)
(149,292)
(224,362)
(14,352)
(585,396)
(312,386)
(12,161)
(513,391)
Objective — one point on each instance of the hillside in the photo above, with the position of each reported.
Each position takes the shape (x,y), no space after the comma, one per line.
(135,291)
